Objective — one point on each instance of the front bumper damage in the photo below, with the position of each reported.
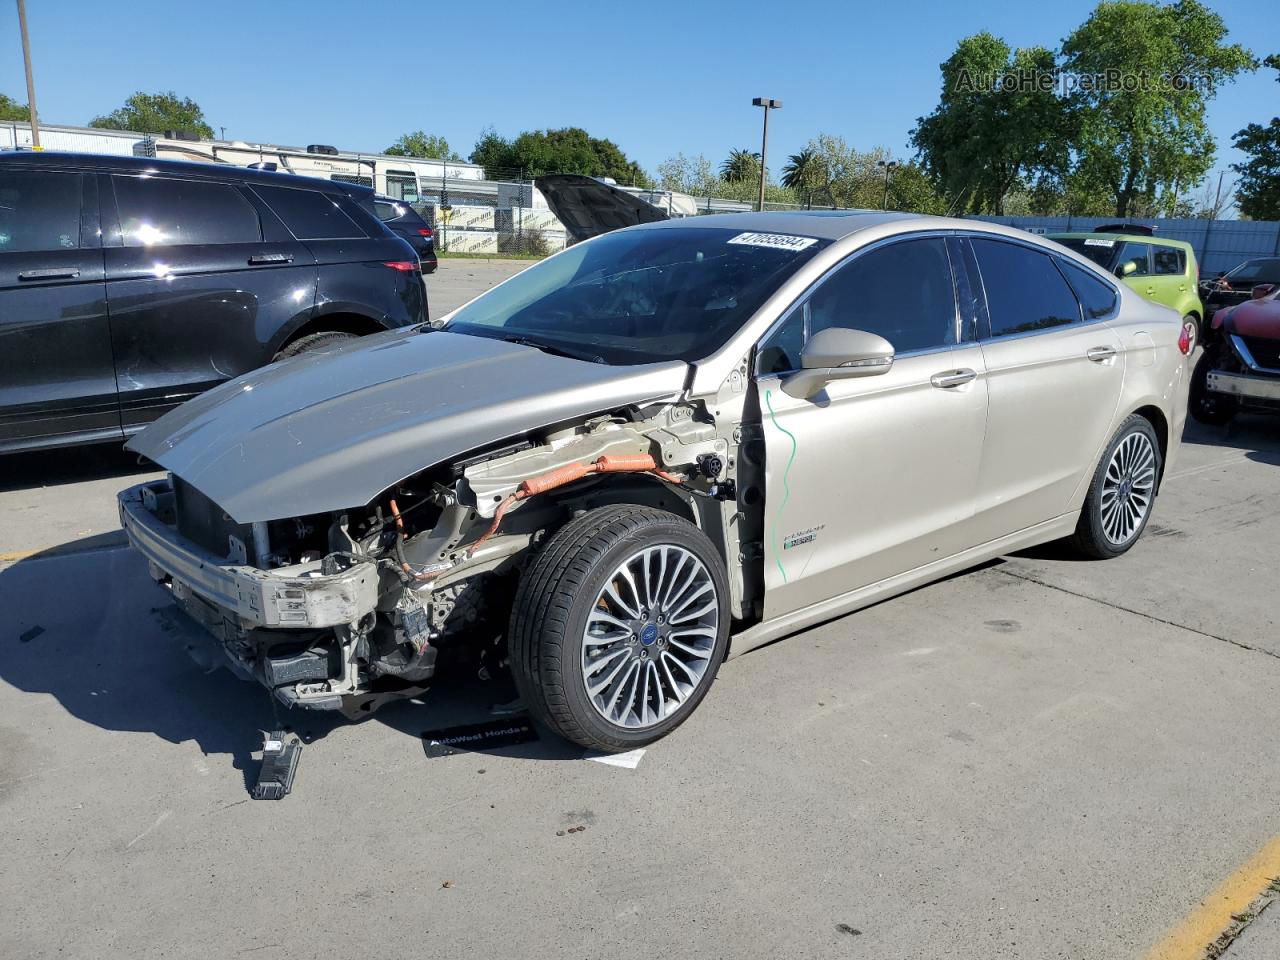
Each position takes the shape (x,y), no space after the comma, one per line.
(285,628)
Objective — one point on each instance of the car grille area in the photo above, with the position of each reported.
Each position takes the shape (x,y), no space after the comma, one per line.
(203,522)
(1265,352)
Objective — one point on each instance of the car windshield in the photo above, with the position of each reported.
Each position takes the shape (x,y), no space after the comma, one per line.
(638,296)
(1099,251)
(1266,270)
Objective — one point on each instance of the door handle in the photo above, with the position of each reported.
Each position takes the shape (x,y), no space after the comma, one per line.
(1101,354)
(953,378)
(51,273)
(259,258)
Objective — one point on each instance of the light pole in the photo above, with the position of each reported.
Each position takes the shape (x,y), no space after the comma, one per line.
(764,140)
(31,84)
(888,169)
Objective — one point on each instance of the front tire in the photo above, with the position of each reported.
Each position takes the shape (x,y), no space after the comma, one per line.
(619,627)
(1122,492)
(1205,406)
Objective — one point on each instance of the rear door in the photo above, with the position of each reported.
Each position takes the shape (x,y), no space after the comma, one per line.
(1054,377)
(1169,276)
(57,381)
(201,280)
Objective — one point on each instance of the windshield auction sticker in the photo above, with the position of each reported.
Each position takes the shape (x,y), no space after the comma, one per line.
(775,241)
(1099,243)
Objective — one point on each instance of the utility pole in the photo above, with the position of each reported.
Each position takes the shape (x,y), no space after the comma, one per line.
(764,140)
(31,84)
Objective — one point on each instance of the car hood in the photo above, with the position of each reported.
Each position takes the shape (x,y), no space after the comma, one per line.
(332,430)
(589,207)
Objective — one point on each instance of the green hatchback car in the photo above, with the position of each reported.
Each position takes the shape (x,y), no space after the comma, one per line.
(1160,269)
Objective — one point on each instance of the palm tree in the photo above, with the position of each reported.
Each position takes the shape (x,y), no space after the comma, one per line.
(740,166)
(804,171)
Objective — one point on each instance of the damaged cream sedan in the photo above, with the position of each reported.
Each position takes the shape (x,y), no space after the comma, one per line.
(663,445)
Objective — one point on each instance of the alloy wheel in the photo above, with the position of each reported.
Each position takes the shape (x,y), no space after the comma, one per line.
(650,636)
(1128,488)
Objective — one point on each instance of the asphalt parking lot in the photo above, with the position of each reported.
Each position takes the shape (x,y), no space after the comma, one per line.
(1039,758)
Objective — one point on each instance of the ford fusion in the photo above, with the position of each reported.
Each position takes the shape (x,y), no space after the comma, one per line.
(667,444)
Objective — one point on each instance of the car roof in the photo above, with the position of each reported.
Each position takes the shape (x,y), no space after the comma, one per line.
(110,163)
(1134,237)
(836,224)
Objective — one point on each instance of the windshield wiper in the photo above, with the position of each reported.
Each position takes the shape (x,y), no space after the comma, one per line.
(554,350)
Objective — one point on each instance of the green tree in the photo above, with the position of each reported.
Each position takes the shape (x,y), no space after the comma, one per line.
(804,173)
(1258,192)
(11,109)
(997,126)
(423,144)
(1141,137)
(568,150)
(741,166)
(156,113)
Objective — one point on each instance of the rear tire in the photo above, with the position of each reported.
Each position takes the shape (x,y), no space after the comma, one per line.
(1122,492)
(315,341)
(602,675)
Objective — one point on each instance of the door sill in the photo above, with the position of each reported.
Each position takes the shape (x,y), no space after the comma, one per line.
(797,620)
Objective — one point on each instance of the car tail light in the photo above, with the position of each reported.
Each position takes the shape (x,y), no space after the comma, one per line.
(424,232)
(1184,339)
(404,266)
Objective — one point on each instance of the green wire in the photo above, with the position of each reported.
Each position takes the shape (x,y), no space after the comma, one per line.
(786,488)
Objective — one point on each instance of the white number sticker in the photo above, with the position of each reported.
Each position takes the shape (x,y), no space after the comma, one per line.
(1099,243)
(776,241)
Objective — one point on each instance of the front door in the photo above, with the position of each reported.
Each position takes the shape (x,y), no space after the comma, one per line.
(871,477)
(57,381)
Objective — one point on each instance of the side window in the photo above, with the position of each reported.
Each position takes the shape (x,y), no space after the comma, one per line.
(155,211)
(1025,292)
(309,214)
(401,185)
(386,212)
(1138,253)
(1168,261)
(902,291)
(1097,297)
(39,211)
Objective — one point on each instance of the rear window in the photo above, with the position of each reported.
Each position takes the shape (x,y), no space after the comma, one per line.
(158,211)
(309,214)
(1097,297)
(39,211)
(1099,250)
(1025,291)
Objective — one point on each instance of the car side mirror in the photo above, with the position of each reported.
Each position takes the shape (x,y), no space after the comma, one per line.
(1126,268)
(1261,290)
(838,353)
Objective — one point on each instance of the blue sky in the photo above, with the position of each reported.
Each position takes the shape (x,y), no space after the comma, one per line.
(657,78)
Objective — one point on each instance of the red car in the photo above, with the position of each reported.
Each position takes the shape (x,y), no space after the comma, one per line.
(1240,366)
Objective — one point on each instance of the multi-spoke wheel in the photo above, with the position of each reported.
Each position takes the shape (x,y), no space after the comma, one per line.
(1122,492)
(619,626)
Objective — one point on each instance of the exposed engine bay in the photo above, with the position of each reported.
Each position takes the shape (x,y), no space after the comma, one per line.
(349,610)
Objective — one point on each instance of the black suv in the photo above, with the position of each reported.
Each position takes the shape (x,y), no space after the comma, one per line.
(404,221)
(128,285)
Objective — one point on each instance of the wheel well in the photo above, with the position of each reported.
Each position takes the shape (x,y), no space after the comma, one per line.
(335,323)
(1157,419)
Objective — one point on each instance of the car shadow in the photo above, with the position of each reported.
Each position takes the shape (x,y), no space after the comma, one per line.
(48,468)
(85,624)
